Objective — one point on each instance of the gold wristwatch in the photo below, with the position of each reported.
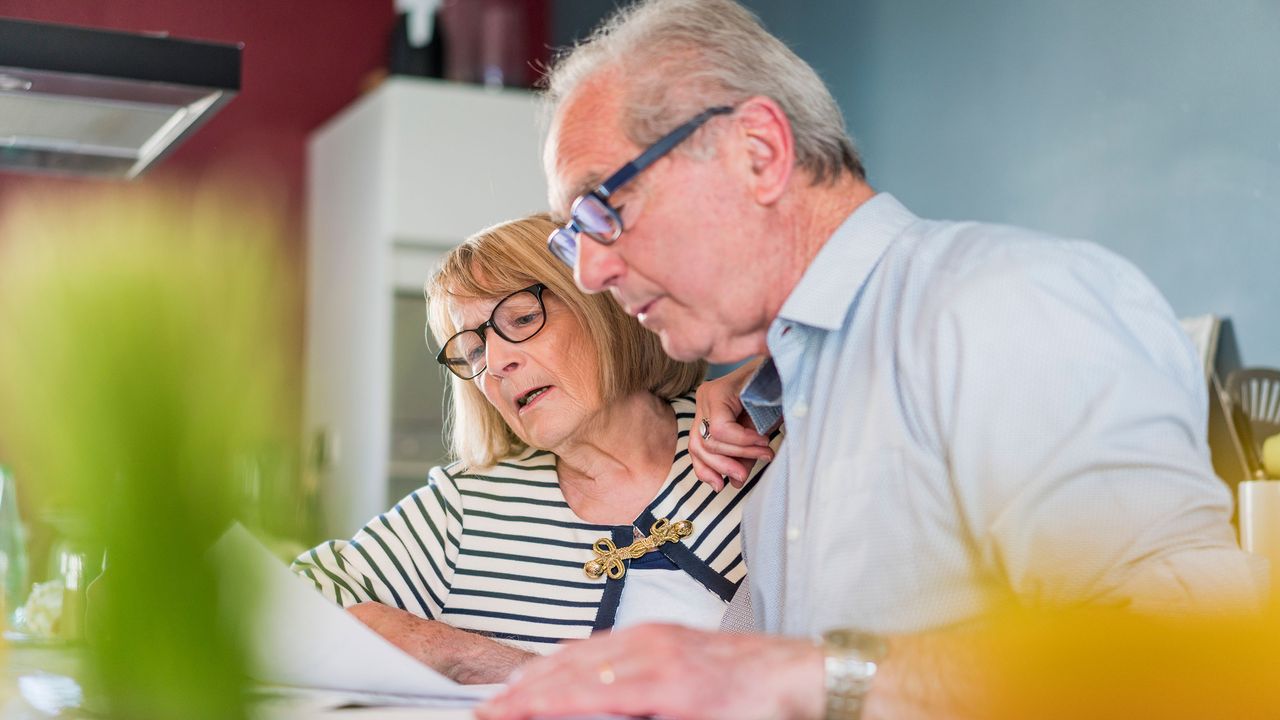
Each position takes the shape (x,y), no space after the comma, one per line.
(850,658)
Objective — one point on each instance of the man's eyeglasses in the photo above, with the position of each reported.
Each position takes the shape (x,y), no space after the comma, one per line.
(593,216)
(516,318)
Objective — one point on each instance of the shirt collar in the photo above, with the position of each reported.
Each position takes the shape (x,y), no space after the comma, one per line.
(762,397)
(831,282)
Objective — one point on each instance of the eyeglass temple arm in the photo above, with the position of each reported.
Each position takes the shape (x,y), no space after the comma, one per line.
(658,149)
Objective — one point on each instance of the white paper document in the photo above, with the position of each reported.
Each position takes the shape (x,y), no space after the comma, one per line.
(300,639)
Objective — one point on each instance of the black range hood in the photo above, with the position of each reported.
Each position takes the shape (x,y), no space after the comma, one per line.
(85,101)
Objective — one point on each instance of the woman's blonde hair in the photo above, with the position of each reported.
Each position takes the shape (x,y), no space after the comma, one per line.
(513,255)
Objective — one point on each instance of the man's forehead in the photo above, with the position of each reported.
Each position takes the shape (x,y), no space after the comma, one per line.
(585,145)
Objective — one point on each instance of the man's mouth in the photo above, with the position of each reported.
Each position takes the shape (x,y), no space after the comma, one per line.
(641,310)
(528,397)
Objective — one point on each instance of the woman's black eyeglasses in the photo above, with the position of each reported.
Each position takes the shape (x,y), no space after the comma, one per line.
(593,216)
(516,318)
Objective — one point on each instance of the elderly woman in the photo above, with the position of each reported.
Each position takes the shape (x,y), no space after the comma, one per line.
(572,508)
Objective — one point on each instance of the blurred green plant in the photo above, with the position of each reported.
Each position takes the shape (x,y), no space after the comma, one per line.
(141,363)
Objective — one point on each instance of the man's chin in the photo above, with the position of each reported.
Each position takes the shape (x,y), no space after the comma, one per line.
(687,349)
(679,348)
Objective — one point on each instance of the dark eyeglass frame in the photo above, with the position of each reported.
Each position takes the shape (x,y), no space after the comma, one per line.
(535,290)
(563,241)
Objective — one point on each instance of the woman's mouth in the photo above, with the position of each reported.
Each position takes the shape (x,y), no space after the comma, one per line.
(530,397)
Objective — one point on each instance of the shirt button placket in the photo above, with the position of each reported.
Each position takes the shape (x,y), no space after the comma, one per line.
(790,344)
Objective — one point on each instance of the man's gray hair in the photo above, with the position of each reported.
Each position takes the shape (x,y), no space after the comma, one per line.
(679,57)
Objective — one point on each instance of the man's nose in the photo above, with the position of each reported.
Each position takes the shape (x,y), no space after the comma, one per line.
(599,266)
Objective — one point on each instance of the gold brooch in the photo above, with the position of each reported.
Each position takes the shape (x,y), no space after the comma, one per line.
(609,557)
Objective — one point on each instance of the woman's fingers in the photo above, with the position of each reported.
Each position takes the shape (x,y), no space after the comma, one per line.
(722,442)
(733,428)
(715,446)
(713,461)
(715,458)
(704,473)
(728,449)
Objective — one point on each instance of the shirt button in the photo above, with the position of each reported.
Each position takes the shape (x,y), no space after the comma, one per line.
(793,534)
(800,410)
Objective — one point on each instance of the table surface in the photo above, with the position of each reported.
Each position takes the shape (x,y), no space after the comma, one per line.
(38,675)
(44,674)
(39,680)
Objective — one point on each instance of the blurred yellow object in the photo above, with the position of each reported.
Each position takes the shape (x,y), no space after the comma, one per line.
(1085,664)
(1271,456)
(1102,665)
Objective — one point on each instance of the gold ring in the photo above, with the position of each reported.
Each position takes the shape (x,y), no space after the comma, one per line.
(606,674)
(706,429)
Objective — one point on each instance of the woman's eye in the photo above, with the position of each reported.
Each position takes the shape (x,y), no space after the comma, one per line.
(528,319)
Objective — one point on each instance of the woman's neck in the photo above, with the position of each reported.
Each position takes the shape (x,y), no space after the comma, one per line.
(612,469)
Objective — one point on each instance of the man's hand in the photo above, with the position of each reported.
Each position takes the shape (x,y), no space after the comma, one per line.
(459,655)
(734,446)
(672,672)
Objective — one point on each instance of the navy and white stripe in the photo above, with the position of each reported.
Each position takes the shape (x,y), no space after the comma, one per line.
(498,550)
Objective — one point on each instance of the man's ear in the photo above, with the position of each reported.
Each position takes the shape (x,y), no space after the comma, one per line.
(770,148)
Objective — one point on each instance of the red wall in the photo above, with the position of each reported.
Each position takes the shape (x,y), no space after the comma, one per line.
(302,62)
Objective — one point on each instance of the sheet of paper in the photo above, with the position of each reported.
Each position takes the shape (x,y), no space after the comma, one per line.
(325,705)
(298,638)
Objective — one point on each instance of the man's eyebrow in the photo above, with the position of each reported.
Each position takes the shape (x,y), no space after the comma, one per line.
(589,183)
(586,185)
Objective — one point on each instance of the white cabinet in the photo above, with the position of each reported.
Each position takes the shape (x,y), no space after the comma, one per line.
(405,173)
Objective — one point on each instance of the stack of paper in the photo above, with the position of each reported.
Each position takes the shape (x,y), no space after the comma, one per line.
(300,640)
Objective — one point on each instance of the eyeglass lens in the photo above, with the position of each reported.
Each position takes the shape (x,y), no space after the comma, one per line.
(595,218)
(564,245)
(591,215)
(516,319)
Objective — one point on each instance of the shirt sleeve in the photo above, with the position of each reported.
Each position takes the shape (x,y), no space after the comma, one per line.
(1076,414)
(404,558)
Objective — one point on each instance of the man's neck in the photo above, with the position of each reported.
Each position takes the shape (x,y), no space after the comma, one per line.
(809,218)
(821,209)
(797,229)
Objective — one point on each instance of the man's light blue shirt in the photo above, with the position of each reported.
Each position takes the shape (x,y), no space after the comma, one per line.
(979,413)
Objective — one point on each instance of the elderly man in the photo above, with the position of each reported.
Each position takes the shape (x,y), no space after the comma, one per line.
(975,414)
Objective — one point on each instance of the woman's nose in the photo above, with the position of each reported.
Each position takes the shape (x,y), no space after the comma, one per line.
(502,357)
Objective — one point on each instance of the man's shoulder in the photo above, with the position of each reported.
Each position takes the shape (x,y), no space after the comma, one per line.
(976,280)
(955,261)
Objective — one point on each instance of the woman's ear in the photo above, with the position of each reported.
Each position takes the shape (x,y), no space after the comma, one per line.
(769,145)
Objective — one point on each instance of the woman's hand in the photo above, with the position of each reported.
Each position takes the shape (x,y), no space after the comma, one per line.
(461,656)
(732,446)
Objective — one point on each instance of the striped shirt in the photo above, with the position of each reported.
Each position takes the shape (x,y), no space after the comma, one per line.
(499,552)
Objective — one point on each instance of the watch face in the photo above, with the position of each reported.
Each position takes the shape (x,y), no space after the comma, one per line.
(850,664)
(866,646)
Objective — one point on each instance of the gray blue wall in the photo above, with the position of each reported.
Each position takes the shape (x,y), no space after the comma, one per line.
(1150,126)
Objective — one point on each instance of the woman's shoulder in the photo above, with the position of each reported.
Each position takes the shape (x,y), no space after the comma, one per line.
(451,481)
(684,407)
(528,467)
